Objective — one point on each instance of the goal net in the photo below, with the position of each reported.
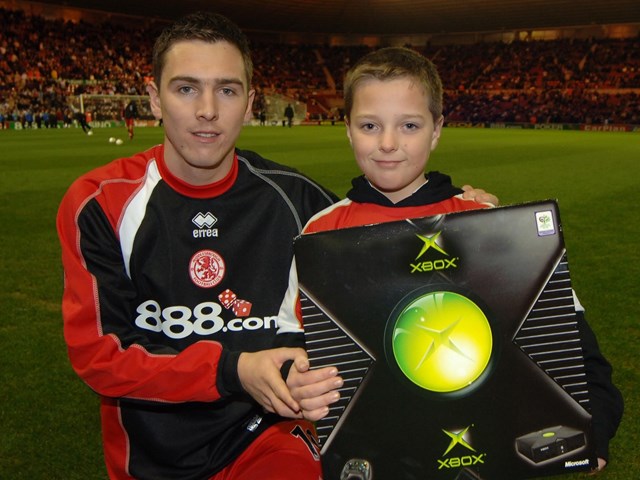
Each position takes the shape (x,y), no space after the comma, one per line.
(110,107)
(273,109)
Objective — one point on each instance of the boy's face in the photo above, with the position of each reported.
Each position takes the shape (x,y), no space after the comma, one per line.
(392,133)
(203,101)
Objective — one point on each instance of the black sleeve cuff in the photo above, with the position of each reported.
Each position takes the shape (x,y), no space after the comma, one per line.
(284,370)
(227,380)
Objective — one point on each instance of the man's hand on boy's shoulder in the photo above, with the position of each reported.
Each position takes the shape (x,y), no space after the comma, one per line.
(479,195)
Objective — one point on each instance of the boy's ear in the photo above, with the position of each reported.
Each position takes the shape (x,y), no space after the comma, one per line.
(346,123)
(437,130)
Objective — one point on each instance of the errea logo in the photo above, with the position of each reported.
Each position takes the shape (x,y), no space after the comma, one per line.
(204,222)
(425,266)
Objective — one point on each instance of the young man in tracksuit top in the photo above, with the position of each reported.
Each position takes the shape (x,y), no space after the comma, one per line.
(393,105)
(176,263)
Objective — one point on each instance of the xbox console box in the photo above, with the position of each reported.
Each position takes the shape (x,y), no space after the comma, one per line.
(457,339)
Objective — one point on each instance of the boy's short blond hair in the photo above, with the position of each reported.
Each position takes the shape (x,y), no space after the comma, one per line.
(392,63)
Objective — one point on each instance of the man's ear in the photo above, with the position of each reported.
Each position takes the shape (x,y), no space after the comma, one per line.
(154,100)
(248,114)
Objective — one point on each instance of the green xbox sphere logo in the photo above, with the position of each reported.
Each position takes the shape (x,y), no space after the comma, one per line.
(441,341)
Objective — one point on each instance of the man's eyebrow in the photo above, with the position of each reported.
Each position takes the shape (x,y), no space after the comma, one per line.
(216,81)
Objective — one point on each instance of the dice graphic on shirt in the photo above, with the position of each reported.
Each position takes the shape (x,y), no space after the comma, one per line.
(242,308)
(227,298)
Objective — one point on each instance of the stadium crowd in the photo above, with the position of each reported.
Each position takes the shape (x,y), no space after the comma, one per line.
(44,63)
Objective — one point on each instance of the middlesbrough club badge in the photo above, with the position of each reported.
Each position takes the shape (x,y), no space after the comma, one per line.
(206,268)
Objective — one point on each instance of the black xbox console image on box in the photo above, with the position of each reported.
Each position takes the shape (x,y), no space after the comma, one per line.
(457,339)
(550,443)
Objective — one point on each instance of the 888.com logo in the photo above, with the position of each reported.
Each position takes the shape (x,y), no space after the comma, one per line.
(441,342)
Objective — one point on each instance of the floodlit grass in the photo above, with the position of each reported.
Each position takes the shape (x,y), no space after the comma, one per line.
(49,424)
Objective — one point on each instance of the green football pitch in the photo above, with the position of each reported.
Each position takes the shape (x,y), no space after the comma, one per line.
(49,424)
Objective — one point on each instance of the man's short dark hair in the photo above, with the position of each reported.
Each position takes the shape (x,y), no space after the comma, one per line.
(208,27)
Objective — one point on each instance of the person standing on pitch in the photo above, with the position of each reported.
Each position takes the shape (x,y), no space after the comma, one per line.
(130,114)
(81,118)
(288,113)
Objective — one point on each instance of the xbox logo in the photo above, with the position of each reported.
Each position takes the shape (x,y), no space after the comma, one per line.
(441,341)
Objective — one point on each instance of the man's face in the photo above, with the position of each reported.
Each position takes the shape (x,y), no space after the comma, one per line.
(392,133)
(203,101)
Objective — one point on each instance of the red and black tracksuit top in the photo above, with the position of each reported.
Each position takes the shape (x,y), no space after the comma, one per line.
(165,285)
